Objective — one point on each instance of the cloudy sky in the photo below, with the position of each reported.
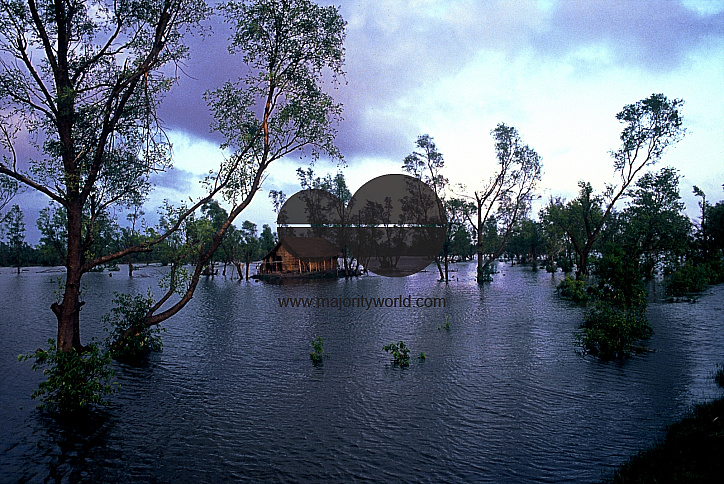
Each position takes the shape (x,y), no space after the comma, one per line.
(557,70)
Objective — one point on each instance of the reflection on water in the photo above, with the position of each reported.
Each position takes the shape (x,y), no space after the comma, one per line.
(502,395)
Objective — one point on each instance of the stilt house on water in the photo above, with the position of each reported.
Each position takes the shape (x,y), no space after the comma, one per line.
(299,255)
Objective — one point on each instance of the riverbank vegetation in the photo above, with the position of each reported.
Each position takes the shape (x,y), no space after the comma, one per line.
(691,451)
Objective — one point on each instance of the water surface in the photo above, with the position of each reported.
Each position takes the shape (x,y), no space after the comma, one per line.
(501,397)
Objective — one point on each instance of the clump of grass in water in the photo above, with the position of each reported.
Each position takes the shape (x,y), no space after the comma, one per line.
(318,354)
(447,324)
(400,353)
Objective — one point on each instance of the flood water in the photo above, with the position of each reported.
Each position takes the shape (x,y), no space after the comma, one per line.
(501,397)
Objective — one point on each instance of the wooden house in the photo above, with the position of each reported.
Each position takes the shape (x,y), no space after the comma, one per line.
(299,255)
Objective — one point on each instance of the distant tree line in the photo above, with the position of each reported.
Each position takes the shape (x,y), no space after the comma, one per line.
(240,248)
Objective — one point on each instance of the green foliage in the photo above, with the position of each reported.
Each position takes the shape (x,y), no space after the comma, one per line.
(610,331)
(400,353)
(620,279)
(318,354)
(653,226)
(128,314)
(422,356)
(8,189)
(76,380)
(447,324)
(14,228)
(692,277)
(569,288)
(565,264)
(617,319)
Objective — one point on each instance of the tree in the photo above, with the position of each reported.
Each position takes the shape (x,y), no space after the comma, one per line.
(53,226)
(94,95)
(703,226)
(715,227)
(426,165)
(131,236)
(250,246)
(8,189)
(267,239)
(327,214)
(653,224)
(650,127)
(507,193)
(580,219)
(87,78)
(15,232)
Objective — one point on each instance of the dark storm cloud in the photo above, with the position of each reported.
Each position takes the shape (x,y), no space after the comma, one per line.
(397,50)
(176,179)
(208,66)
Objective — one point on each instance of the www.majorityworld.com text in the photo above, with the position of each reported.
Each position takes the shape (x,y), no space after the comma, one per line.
(362,302)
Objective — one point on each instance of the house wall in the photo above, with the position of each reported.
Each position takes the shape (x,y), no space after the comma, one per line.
(292,264)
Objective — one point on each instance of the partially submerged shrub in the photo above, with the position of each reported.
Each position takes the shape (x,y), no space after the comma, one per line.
(129,313)
(400,353)
(318,354)
(486,273)
(76,380)
(569,288)
(610,331)
(446,325)
(565,264)
(692,277)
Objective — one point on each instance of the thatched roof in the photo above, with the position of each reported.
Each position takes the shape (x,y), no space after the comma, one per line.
(307,248)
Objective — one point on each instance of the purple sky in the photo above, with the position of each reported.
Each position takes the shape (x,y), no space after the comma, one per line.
(559,71)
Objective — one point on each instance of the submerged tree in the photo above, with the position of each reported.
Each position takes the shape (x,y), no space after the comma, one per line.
(14,229)
(653,226)
(88,79)
(506,195)
(426,164)
(650,127)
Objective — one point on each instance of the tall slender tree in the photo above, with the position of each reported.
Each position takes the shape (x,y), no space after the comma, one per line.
(506,195)
(15,233)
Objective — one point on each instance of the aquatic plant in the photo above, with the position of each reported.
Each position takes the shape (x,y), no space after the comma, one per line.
(318,354)
(76,380)
(129,312)
(447,324)
(692,277)
(570,288)
(400,353)
(609,331)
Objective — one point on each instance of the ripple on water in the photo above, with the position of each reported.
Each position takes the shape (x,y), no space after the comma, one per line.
(501,397)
